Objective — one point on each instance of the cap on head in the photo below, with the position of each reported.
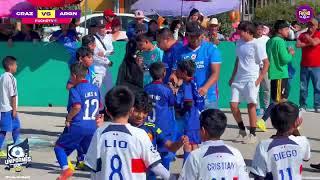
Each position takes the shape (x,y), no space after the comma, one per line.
(214,21)
(108,12)
(100,22)
(280,24)
(139,14)
(194,11)
(193,28)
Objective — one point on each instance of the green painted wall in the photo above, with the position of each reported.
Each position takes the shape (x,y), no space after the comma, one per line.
(43,72)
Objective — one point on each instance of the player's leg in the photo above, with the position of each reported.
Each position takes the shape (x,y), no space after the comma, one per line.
(84,145)
(275,93)
(304,82)
(16,129)
(2,138)
(5,126)
(315,77)
(234,105)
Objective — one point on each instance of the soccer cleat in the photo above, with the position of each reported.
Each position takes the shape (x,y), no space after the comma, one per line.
(315,166)
(3,154)
(303,109)
(250,139)
(261,124)
(70,165)
(81,166)
(65,174)
(241,136)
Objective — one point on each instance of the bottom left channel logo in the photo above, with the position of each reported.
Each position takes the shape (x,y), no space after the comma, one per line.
(18,155)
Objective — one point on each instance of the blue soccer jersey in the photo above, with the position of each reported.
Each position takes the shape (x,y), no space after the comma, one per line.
(205,55)
(157,137)
(162,114)
(169,59)
(88,96)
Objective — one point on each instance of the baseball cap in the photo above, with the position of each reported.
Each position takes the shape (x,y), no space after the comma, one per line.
(193,28)
(139,14)
(280,24)
(108,12)
(100,22)
(214,21)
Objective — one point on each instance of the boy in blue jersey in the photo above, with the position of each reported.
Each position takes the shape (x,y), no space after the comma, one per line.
(190,103)
(207,59)
(171,47)
(83,106)
(162,114)
(282,155)
(150,53)
(142,107)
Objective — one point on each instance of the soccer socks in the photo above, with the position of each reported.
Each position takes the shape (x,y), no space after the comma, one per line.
(61,157)
(267,112)
(241,126)
(2,137)
(15,135)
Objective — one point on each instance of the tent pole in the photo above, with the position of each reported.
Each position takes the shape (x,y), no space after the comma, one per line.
(85,17)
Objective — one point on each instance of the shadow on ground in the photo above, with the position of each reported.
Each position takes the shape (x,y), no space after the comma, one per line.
(41,113)
(39,132)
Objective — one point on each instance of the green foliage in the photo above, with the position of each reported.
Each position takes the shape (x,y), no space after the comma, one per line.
(226,24)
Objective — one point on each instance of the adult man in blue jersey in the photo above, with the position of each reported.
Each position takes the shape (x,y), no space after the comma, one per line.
(207,59)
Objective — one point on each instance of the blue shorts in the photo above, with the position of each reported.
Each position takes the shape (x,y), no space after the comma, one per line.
(72,138)
(194,136)
(8,123)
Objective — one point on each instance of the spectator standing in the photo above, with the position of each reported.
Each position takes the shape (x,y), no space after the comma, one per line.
(139,20)
(214,35)
(208,60)
(310,64)
(26,34)
(117,34)
(109,16)
(175,28)
(280,56)
(152,29)
(194,16)
(265,83)
(131,72)
(150,53)
(65,35)
(102,52)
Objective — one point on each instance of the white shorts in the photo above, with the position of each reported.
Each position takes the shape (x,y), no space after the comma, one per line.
(244,92)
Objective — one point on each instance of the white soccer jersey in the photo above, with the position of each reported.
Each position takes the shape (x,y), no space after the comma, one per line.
(121,152)
(8,88)
(214,160)
(281,158)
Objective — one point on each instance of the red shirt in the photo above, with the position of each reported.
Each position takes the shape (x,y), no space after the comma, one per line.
(310,54)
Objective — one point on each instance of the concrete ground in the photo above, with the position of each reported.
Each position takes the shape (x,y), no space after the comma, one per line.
(43,125)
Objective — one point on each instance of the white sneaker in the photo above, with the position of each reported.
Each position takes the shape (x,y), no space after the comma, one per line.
(250,139)
(241,136)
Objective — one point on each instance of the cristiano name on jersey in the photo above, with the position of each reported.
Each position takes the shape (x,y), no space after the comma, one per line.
(221,166)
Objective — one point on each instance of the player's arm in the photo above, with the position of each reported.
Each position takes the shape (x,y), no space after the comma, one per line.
(262,57)
(313,41)
(12,88)
(161,171)
(259,164)
(300,44)
(175,146)
(75,109)
(75,106)
(14,106)
(234,72)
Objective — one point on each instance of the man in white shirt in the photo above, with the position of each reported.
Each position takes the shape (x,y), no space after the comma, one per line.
(246,79)
(214,159)
(9,121)
(101,62)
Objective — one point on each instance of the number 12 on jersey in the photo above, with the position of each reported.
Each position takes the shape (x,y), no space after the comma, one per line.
(91,103)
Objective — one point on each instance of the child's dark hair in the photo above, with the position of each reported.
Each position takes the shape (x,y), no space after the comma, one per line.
(283,116)
(79,70)
(83,52)
(214,122)
(119,101)
(87,39)
(187,65)
(157,70)
(247,26)
(142,102)
(280,24)
(8,61)
(165,33)
(143,37)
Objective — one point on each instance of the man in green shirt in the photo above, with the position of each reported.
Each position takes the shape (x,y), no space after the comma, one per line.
(279,56)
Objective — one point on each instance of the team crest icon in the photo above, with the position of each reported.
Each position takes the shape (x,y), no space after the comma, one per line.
(18,155)
(193,56)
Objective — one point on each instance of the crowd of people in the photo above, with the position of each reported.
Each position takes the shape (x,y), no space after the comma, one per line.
(124,131)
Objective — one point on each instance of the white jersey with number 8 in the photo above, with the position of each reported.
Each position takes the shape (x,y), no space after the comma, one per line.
(121,152)
(281,158)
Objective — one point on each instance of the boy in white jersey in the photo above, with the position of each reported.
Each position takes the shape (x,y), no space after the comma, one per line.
(281,156)
(214,159)
(119,150)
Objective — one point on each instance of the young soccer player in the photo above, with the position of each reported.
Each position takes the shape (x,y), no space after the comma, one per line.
(83,106)
(162,114)
(246,78)
(214,159)
(190,103)
(119,150)
(281,156)
(9,120)
(150,53)
(142,107)
(280,56)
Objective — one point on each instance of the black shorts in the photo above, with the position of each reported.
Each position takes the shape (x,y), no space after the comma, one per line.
(279,90)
